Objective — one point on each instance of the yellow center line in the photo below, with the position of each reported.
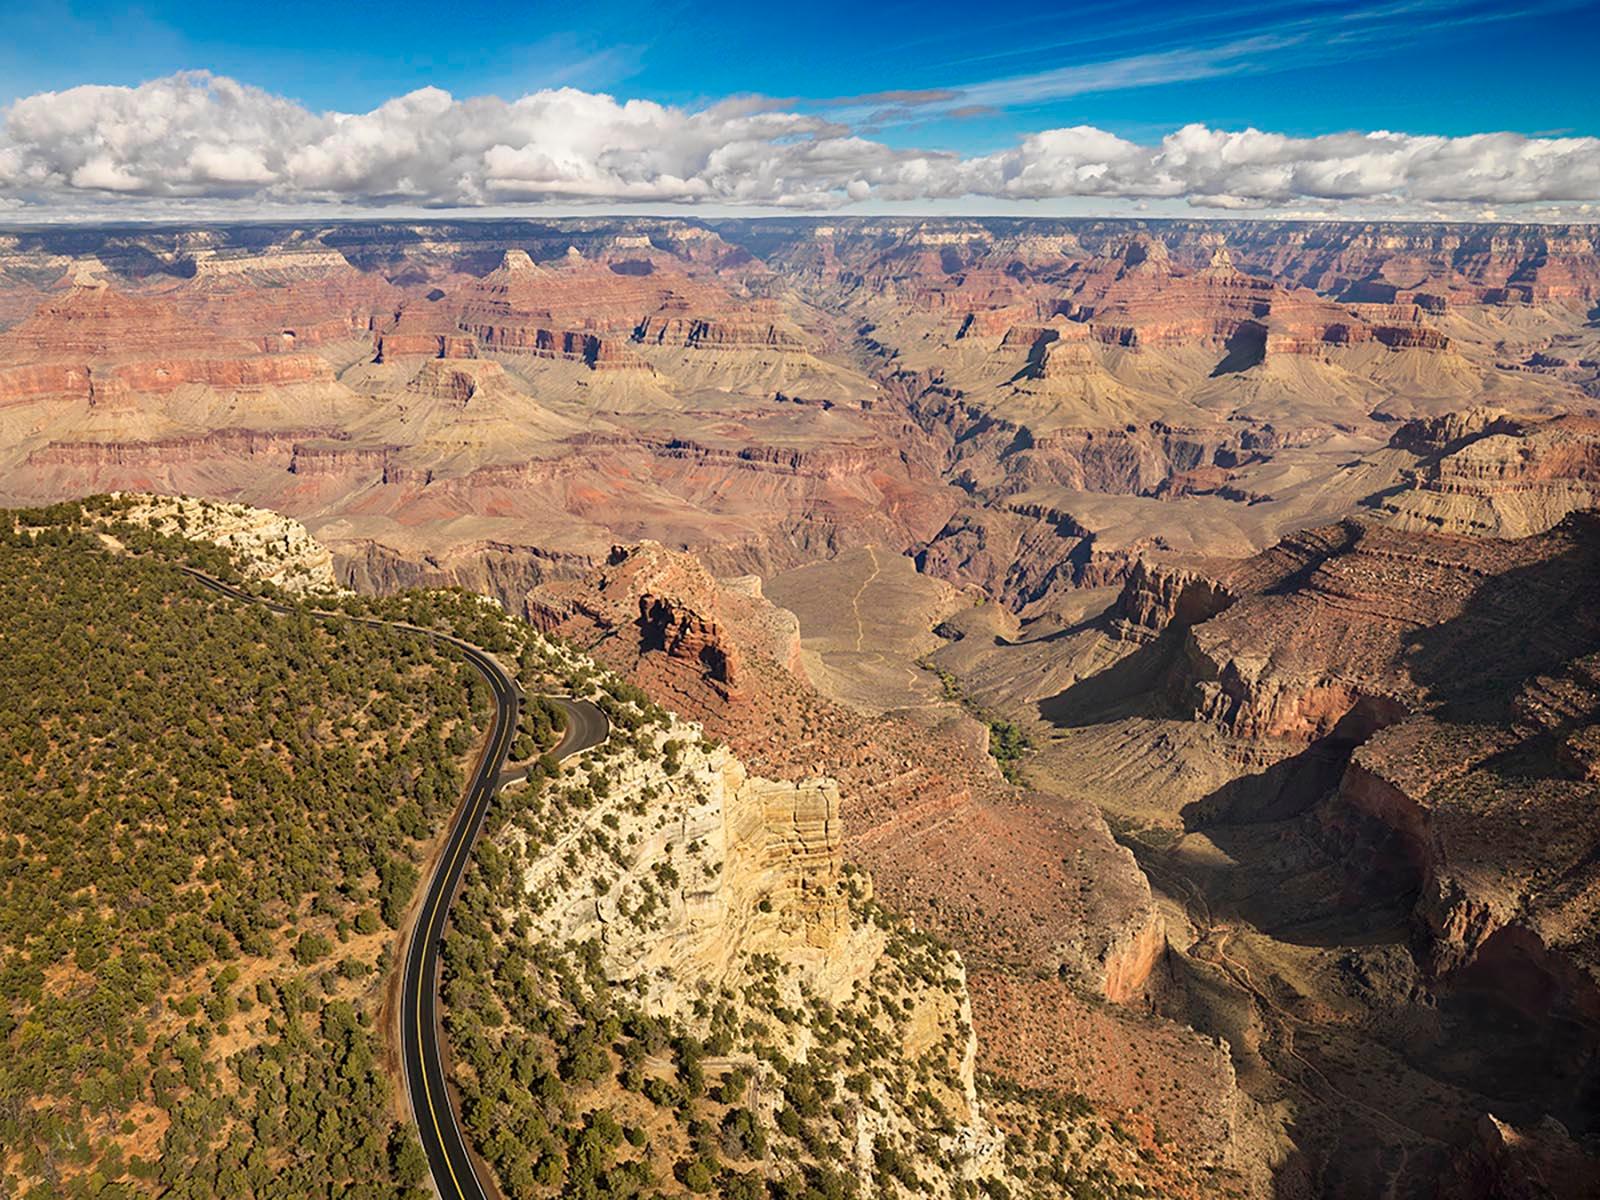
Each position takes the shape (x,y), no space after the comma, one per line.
(433,909)
(433,916)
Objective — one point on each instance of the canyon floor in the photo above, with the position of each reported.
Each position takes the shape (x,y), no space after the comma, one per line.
(1199,619)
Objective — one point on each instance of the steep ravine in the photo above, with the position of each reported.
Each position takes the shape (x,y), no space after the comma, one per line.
(1379,883)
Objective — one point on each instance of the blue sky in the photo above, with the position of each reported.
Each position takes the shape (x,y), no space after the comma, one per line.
(1417,66)
(1429,108)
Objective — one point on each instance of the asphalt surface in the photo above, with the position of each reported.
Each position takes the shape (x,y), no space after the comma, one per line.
(421,1057)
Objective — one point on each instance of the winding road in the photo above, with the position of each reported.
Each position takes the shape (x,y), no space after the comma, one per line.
(421,1035)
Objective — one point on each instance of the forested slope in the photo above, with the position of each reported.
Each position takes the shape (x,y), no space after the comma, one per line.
(211,820)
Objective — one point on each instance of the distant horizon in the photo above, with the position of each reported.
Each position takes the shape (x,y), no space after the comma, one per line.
(474,217)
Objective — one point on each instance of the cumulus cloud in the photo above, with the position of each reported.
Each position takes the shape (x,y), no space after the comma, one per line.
(197,137)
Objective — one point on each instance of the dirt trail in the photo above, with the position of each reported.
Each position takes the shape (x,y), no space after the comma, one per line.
(855,600)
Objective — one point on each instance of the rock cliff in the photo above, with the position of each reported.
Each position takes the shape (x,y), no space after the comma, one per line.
(1491,474)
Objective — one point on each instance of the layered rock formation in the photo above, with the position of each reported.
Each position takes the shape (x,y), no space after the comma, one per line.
(1289,457)
(1032,889)
(1430,264)
(1154,599)
(1330,624)
(1136,298)
(668,604)
(1245,498)
(1378,731)
(302,348)
(1490,473)
(873,360)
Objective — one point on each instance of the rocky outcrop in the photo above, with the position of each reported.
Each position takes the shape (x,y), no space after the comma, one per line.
(458,383)
(1466,674)
(391,346)
(335,459)
(729,885)
(1155,598)
(1017,558)
(679,632)
(750,329)
(1486,473)
(1450,431)
(670,606)
(757,864)
(504,571)
(264,545)
(1320,631)
(1509,1162)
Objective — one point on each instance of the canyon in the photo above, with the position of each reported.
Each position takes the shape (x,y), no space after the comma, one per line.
(1272,545)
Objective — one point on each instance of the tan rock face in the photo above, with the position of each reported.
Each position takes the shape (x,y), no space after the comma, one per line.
(1486,473)
(801,842)
(757,869)
(1155,598)
(264,544)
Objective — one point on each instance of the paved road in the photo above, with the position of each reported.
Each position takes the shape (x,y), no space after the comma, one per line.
(421,1058)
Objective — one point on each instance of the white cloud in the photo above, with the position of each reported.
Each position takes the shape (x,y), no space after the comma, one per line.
(1253,168)
(1119,74)
(198,139)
